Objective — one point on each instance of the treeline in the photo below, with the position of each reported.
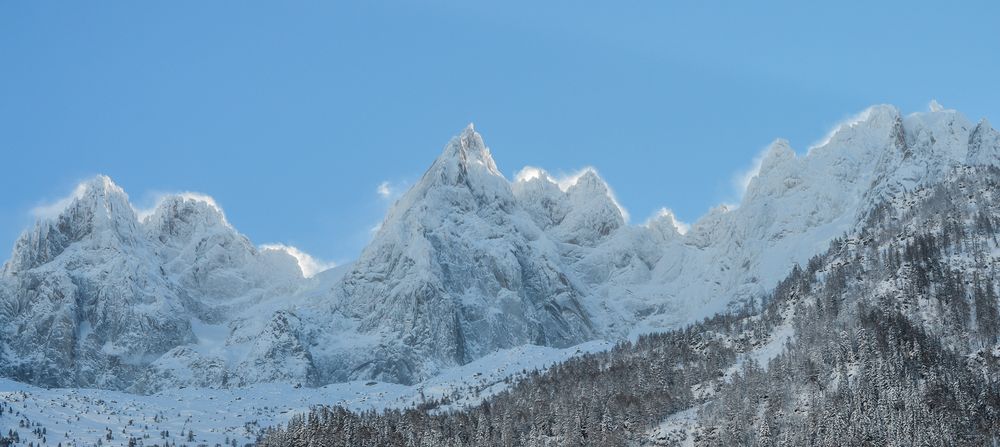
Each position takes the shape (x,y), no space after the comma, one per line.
(895,336)
(607,398)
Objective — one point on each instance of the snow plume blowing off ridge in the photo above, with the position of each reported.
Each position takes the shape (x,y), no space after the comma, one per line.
(54,209)
(309,265)
(144,213)
(568,181)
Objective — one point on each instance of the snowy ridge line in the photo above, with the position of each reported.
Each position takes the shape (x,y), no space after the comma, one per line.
(466,263)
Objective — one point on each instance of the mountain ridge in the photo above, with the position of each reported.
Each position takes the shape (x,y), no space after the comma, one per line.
(465,263)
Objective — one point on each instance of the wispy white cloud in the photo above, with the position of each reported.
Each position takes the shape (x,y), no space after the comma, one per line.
(51,210)
(668,214)
(529,173)
(741,179)
(157,199)
(389,190)
(850,121)
(566,181)
(309,265)
(384,190)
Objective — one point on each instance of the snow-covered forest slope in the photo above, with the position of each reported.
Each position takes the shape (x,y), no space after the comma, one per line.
(889,337)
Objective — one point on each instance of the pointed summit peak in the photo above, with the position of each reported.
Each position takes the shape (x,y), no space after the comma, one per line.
(101,188)
(464,158)
(983,127)
(587,180)
(52,210)
(102,184)
(469,148)
(777,154)
(97,213)
(984,144)
(98,193)
(780,149)
(465,163)
(935,106)
(591,200)
(471,142)
(102,193)
(780,145)
(470,139)
(103,202)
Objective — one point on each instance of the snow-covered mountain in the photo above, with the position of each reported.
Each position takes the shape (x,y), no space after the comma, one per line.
(466,263)
(792,207)
(458,270)
(94,296)
(889,337)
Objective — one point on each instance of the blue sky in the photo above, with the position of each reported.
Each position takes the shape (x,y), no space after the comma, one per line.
(291,114)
